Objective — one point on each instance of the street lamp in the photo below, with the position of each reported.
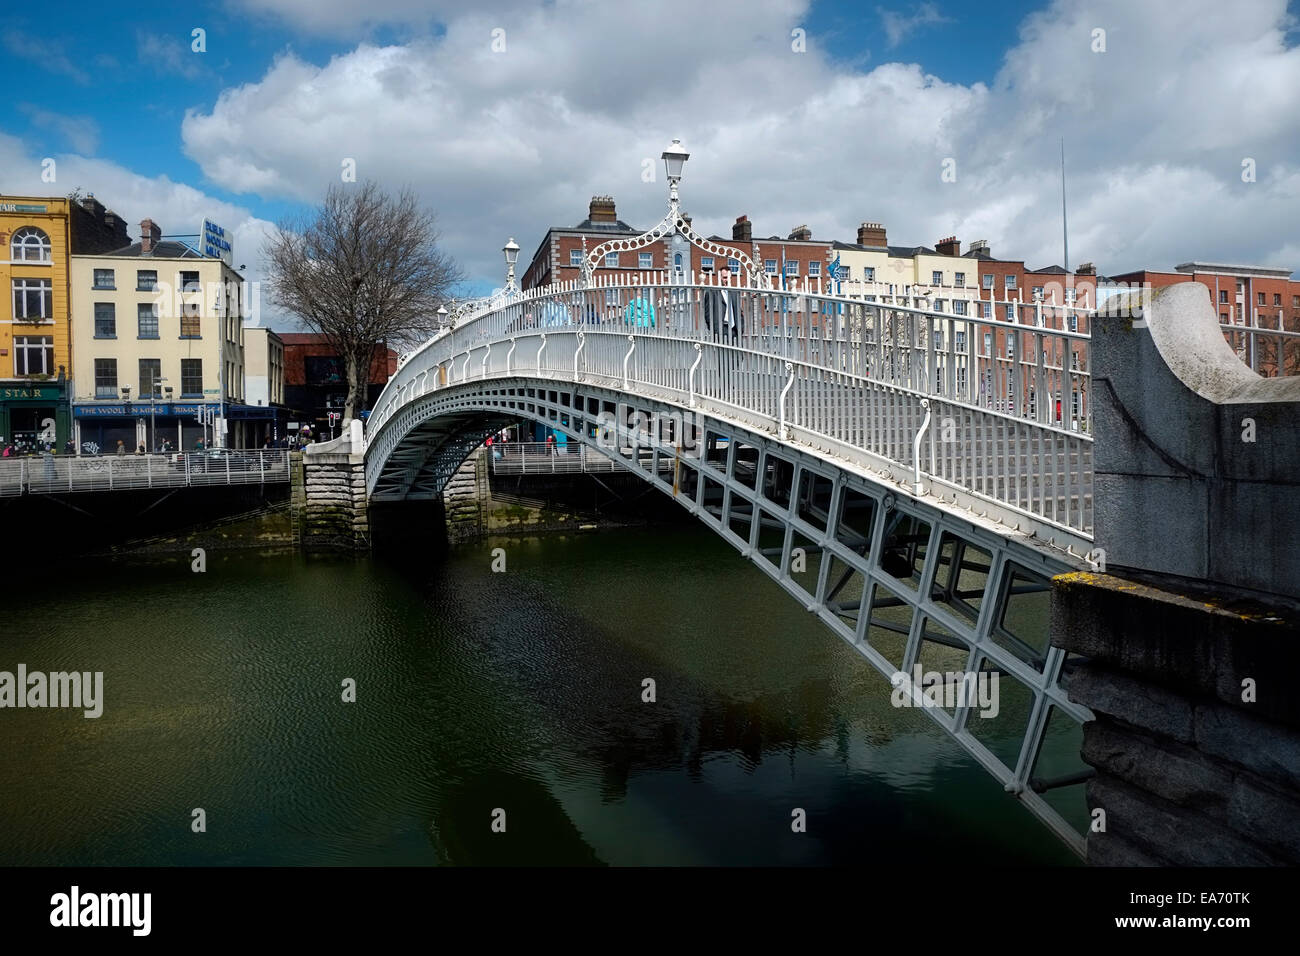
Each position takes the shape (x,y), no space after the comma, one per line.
(511,250)
(153,411)
(674,158)
(442,317)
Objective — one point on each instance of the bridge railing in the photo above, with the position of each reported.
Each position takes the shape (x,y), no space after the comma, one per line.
(58,474)
(1008,394)
(541,458)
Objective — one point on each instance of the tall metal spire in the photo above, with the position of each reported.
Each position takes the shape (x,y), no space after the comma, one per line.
(1065,232)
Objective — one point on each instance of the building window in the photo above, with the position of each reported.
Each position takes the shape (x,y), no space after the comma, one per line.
(938,305)
(189,282)
(987,279)
(936,278)
(1038,292)
(959,280)
(1011,346)
(1011,282)
(706,263)
(1011,311)
(1295,301)
(105,320)
(190,326)
(959,341)
(34,354)
(29,244)
(611,260)
(191,378)
(1277,298)
(105,378)
(575,257)
(1260,300)
(677,262)
(988,344)
(938,341)
(1223,295)
(645,260)
(150,373)
(147,317)
(792,267)
(958,306)
(814,268)
(769,266)
(1223,318)
(1074,323)
(146,280)
(961,380)
(33,300)
(104,279)
(869,273)
(986,310)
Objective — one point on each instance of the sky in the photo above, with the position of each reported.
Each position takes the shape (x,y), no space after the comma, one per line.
(1180,118)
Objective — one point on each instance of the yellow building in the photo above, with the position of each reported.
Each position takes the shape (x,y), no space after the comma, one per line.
(159,360)
(35,350)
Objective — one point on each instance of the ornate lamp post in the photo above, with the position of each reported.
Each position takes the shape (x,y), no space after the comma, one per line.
(674,157)
(511,251)
(442,317)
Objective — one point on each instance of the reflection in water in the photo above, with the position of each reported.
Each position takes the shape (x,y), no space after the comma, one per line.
(477,691)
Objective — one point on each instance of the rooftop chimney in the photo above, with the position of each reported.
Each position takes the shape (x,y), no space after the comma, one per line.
(948,247)
(602,209)
(742,230)
(872,234)
(1087,269)
(981,245)
(150,234)
(800,232)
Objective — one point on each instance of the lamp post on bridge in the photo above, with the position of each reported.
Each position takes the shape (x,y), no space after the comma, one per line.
(673,223)
(511,251)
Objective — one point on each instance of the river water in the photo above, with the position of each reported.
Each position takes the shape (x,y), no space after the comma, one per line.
(476,692)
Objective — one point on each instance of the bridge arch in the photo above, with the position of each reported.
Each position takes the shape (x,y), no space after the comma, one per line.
(906,583)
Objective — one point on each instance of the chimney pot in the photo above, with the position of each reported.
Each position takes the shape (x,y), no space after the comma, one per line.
(742,230)
(872,234)
(602,209)
(800,232)
(948,247)
(150,235)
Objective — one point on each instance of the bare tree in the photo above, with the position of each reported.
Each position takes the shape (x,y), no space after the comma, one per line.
(365,271)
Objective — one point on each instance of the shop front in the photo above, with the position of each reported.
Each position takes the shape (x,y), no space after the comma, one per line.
(34,417)
(161,427)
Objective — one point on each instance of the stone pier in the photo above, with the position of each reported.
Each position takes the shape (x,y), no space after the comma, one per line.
(336,517)
(1188,644)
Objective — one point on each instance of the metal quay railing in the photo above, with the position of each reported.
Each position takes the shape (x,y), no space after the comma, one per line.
(59,474)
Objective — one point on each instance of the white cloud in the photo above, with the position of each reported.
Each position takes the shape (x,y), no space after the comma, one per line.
(179,209)
(899,26)
(502,144)
(81,132)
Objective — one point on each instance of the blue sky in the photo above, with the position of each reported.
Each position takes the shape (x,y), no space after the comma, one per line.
(850,130)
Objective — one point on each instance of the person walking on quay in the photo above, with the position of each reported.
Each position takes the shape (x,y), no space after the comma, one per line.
(139,450)
(198,444)
(121,448)
(550,443)
(69,448)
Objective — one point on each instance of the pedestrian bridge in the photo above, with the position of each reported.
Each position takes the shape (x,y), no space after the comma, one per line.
(888,464)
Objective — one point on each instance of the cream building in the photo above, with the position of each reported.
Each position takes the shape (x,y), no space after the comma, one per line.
(263,367)
(158,350)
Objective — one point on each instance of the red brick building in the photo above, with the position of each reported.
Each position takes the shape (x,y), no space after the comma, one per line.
(1245,295)
(315,377)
